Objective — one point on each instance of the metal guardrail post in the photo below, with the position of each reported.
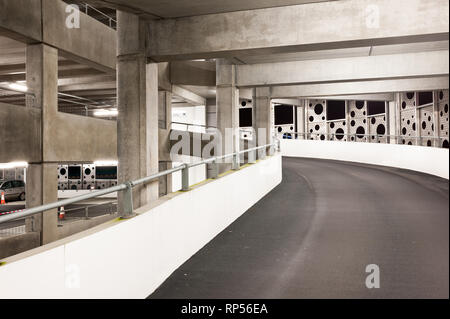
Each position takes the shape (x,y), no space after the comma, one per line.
(215,170)
(235,165)
(128,201)
(252,157)
(86,212)
(185,178)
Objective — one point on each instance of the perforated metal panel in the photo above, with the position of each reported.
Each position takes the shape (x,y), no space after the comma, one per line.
(377,128)
(318,131)
(357,109)
(426,125)
(408,100)
(358,126)
(408,126)
(337,131)
(63,186)
(443,117)
(285,131)
(317,110)
(63,173)
(88,176)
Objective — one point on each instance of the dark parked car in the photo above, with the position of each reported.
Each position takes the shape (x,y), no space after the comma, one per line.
(13,189)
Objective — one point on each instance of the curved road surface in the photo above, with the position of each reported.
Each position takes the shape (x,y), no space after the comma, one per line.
(314,235)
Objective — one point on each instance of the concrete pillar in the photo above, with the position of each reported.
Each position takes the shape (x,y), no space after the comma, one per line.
(42,181)
(211,113)
(436,118)
(264,118)
(398,118)
(301,120)
(164,124)
(137,122)
(227,100)
(391,117)
(347,121)
(211,125)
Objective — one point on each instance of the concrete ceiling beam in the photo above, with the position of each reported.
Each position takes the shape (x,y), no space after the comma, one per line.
(316,26)
(434,63)
(188,96)
(360,87)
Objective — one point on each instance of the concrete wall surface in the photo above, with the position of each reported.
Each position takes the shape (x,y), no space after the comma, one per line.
(131,258)
(20,132)
(429,160)
(80,138)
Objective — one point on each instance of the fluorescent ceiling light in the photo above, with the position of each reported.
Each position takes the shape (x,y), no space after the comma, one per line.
(13,165)
(106,163)
(18,87)
(106,113)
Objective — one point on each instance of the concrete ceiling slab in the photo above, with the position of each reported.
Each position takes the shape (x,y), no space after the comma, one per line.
(185,8)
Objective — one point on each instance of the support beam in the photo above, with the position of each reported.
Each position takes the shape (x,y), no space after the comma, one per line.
(42,182)
(201,73)
(227,98)
(164,125)
(360,97)
(188,96)
(360,87)
(353,23)
(263,122)
(137,123)
(408,65)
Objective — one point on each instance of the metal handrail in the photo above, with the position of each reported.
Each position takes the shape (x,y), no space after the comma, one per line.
(127,186)
(191,124)
(110,19)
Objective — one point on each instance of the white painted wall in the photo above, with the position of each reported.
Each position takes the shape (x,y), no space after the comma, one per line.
(430,160)
(131,258)
(190,115)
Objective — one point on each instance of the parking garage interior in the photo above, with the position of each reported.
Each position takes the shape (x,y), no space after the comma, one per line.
(350,96)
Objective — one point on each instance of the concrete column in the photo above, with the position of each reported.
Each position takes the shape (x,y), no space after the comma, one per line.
(227,100)
(211,113)
(347,121)
(164,124)
(42,181)
(137,122)
(391,117)
(436,118)
(301,119)
(264,117)
(211,124)
(418,121)
(398,118)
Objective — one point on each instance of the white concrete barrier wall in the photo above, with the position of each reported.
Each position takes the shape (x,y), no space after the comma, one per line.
(428,160)
(131,258)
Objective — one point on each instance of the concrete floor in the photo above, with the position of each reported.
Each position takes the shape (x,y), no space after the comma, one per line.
(313,236)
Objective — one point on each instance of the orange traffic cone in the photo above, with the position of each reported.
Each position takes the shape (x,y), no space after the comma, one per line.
(62,213)
(3,199)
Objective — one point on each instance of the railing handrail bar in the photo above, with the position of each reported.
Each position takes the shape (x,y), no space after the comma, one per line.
(102,13)
(89,206)
(190,124)
(38,209)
